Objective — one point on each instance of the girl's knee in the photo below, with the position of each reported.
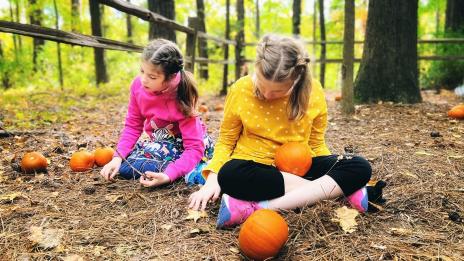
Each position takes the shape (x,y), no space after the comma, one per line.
(364,169)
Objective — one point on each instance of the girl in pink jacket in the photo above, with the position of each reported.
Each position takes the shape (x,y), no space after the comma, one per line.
(162,103)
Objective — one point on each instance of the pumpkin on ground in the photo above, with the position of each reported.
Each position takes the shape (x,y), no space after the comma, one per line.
(338,98)
(203,108)
(103,156)
(82,160)
(263,234)
(293,157)
(33,162)
(218,107)
(457,112)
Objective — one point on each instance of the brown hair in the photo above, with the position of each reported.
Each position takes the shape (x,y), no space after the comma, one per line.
(167,56)
(281,58)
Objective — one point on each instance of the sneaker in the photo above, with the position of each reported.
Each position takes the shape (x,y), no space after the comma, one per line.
(234,211)
(194,176)
(359,200)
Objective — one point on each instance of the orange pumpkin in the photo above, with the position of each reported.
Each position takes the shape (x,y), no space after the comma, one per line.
(218,107)
(203,108)
(263,234)
(82,160)
(103,156)
(457,112)
(338,98)
(294,157)
(33,162)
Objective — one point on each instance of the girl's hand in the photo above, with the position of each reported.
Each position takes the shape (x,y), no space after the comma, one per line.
(110,170)
(154,179)
(209,192)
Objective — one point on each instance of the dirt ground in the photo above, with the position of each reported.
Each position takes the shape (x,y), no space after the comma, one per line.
(87,218)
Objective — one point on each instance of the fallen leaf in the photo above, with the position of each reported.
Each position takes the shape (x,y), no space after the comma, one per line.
(400,231)
(457,136)
(347,218)
(166,227)
(195,231)
(10,196)
(195,215)
(456,156)
(73,258)
(234,250)
(114,197)
(54,194)
(421,152)
(409,174)
(45,238)
(381,247)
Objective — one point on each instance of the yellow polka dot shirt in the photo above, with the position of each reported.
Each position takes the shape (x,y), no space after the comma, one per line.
(252,129)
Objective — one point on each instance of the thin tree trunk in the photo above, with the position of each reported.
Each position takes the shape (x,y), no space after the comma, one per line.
(75,16)
(129,27)
(226,50)
(240,38)
(348,59)
(388,70)
(99,53)
(60,67)
(296,17)
(6,81)
(35,16)
(18,18)
(257,32)
(314,36)
(15,37)
(323,45)
(165,8)
(202,44)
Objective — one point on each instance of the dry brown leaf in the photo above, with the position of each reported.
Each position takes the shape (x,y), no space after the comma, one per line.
(346,217)
(45,238)
(114,197)
(401,231)
(195,215)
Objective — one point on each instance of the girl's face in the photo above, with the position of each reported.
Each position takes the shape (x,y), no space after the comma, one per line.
(271,90)
(152,77)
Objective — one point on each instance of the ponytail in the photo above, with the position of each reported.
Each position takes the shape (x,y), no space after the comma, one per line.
(187,94)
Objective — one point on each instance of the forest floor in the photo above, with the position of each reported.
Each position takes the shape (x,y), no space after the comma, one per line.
(82,217)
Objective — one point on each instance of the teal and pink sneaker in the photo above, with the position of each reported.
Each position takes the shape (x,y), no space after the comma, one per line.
(235,211)
(359,200)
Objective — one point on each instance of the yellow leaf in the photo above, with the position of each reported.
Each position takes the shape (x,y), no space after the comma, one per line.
(409,174)
(234,250)
(421,152)
(456,156)
(400,231)
(347,218)
(457,136)
(73,257)
(166,227)
(45,238)
(195,215)
(10,196)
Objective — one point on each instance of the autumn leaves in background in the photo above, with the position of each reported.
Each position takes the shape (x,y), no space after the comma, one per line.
(81,160)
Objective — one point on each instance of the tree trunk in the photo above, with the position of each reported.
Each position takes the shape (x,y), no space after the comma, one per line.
(388,70)
(348,59)
(35,16)
(296,19)
(314,36)
(99,53)
(6,81)
(257,32)
(165,8)
(226,51)
(202,44)
(240,38)
(18,18)
(129,27)
(454,16)
(75,16)
(58,48)
(323,45)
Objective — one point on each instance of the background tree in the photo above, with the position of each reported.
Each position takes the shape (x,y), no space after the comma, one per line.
(129,27)
(388,70)
(202,44)
(348,59)
(240,38)
(296,17)
(75,16)
(165,8)
(257,25)
(323,39)
(36,17)
(99,53)
(226,50)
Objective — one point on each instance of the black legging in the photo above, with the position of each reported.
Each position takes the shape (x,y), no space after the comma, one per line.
(249,180)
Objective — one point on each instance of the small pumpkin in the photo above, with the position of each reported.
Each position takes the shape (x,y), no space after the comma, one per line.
(33,162)
(103,156)
(263,234)
(82,160)
(457,112)
(338,98)
(218,107)
(293,157)
(203,108)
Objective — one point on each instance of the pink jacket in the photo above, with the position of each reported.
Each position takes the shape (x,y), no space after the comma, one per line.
(148,110)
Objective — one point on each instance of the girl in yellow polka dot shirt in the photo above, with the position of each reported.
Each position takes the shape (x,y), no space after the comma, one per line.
(278,104)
